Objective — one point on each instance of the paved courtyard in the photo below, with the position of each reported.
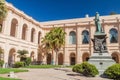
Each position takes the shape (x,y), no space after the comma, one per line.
(53,74)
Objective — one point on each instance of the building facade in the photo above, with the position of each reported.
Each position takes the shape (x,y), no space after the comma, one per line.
(19,31)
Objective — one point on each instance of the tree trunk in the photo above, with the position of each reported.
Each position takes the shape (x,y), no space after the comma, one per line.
(56,60)
(52,61)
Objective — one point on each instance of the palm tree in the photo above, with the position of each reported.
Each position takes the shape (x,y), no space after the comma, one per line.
(3,10)
(22,54)
(45,47)
(58,40)
(54,40)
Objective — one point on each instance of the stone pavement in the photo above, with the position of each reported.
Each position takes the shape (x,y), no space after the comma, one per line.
(53,74)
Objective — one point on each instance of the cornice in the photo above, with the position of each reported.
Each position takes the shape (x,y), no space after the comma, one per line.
(22,14)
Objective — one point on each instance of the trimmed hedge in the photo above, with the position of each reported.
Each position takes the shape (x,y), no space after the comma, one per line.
(86,69)
(113,72)
(19,64)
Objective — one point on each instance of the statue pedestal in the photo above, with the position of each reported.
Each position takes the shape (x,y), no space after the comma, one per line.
(102,61)
(100,57)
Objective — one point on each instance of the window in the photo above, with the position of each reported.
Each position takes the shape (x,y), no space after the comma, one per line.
(113,36)
(32,34)
(24,32)
(85,37)
(72,37)
(14,24)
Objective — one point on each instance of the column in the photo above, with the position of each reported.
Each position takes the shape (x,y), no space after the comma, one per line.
(28,37)
(36,36)
(6,55)
(7,25)
(19,29)
(66,54)
(118,33)
(76,44)
(66,58)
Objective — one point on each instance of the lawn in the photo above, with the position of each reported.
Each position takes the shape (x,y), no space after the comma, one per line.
(43,66)
(1,78)
(47,66)
(7,70)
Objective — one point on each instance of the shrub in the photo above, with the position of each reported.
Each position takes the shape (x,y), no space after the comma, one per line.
(113,72)
(86,69)
(77,68)
(18,64)
(28,61)
(1,63)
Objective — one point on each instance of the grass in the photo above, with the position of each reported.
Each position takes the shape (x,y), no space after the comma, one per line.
(70,66)
(7,70)
(48,66)
(1,78)
(43,66)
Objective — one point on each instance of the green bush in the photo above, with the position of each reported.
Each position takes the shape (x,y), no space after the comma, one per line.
(86,69)
(1,63)
(19,64)
(113,72)
(77,68)
(28,61)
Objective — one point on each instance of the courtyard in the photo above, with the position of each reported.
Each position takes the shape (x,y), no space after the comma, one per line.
(53,74)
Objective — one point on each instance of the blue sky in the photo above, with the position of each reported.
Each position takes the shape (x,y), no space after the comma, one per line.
(47,10)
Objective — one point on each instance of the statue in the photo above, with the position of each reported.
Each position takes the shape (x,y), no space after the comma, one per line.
(97,23)
(99,40)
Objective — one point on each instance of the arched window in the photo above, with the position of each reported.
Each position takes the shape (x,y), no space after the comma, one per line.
(24,32)
(85,37)
(72,37)
(1,26)
(14,24)
(32,34)
(39,36)
(113,35)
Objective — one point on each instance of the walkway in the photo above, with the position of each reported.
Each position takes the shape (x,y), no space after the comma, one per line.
(53,74)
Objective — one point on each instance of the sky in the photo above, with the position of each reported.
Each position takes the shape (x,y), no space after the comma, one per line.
(49,10)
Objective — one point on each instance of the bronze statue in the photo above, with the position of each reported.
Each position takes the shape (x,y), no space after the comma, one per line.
(97,23)
(99,40)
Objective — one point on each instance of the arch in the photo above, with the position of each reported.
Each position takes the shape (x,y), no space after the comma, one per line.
(24,31)
(72,59)
(113,35)
(85,56)
(32,34)
(49,58)
(85,37)
(32,55)
(11,57)
(60,59)
(39,36)
(1,26)
(14,24)
(72,37)
(116,57)
(39,57)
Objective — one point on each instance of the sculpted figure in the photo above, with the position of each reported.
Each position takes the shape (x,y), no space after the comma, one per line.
(97,23)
